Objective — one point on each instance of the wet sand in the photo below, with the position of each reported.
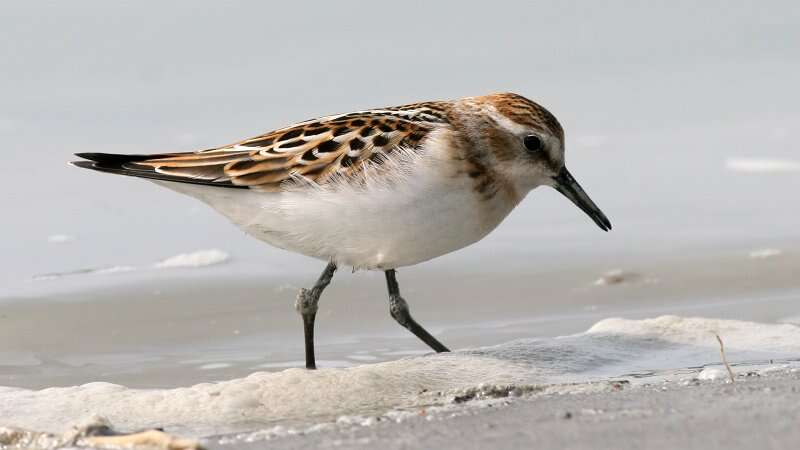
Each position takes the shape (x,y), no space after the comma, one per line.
(757,411)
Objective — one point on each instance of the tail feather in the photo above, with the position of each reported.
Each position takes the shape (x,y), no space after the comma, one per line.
(127,165)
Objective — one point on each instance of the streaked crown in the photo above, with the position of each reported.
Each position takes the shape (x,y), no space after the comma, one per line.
(526,112)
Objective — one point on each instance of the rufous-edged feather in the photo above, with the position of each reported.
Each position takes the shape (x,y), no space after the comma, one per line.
(315,150)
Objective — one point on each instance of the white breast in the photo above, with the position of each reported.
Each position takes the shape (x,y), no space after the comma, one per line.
(418,213)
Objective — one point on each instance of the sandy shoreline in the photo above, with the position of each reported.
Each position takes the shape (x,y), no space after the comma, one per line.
(182,330)
(218,355)
(759,410)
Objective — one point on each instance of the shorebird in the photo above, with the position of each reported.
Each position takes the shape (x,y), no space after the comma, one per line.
(376,189)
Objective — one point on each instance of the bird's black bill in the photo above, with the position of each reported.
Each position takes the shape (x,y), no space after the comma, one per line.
(567,185)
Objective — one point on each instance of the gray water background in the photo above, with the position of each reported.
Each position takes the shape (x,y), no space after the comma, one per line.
(654,97)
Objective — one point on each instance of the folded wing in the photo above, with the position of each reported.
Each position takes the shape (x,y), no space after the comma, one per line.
(315,150)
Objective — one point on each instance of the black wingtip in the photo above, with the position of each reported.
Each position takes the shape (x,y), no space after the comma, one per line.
(90,156)
(112,158)
(121,165)
(82,164)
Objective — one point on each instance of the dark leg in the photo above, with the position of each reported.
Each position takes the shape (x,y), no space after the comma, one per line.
(398,308)
(306,305)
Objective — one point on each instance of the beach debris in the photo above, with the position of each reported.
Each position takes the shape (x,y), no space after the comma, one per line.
(96,432)
(724,359)
(715,373)
(617,276)
(618,385)
(487,391)
(620,276)
(151,439)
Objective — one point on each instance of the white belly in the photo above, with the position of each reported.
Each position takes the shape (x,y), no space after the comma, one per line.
(383,226)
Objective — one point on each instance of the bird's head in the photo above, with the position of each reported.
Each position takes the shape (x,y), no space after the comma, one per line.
(527,143)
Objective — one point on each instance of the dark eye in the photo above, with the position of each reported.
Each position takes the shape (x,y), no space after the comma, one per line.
(533,143)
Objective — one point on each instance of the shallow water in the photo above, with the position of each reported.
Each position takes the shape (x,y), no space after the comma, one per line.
(611,348)
(166,328)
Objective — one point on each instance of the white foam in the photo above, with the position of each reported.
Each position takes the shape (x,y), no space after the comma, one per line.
(200,258)
(712,374)
(214,366)
(609,349)
(362,357)
(795,320)
(112,269)
(60,238)
(761,165)
(697,331)
(765,253)
(258,398)
(96,271)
